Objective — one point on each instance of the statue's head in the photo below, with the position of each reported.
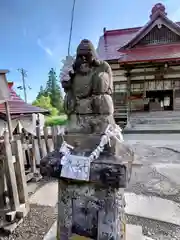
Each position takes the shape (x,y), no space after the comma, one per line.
(85,57)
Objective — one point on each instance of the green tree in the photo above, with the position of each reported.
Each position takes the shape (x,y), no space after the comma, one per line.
(45,102)
(53,91)
(41,92)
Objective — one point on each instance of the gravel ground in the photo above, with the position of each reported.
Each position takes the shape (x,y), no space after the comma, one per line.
(156,229)
(38,221)
(149,182)
(35,225)
(146,180)
(149,155)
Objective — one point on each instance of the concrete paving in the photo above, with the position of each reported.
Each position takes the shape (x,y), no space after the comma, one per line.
(51,235)
(171,171)
(134,232)
(32,187)
(153,208)
(154,139)
(46,195)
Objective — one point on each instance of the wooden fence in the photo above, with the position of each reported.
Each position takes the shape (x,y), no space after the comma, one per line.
(19,161)
(13,187)
(35,148)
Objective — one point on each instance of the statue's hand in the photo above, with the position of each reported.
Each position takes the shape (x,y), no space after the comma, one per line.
(71,74)
(66,85)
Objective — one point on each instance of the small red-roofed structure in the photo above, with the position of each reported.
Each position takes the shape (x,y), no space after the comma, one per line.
(18,107)
(146,64)
(19,112)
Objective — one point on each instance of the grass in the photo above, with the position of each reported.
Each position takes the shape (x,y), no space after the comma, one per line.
(56,120)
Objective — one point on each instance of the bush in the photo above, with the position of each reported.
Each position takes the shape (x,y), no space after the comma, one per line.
(57,120)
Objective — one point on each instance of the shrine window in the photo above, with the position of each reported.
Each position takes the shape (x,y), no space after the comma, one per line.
(120,88)
(137,87)
(176,84)
(159,35)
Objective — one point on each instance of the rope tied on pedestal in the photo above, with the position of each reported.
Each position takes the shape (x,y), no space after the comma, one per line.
(110,132)
(80,166)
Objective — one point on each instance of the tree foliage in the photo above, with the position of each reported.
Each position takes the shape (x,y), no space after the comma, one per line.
(53,90)
(41,92)
(51,95)
(45,102)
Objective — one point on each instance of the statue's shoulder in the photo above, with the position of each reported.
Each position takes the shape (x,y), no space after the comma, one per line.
(104,64)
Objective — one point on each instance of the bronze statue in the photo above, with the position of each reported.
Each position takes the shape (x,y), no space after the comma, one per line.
(88,100)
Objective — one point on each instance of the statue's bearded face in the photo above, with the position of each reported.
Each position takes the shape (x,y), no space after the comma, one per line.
(83,61)
(85,56)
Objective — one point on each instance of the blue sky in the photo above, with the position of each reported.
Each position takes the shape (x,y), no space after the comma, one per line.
(34,33)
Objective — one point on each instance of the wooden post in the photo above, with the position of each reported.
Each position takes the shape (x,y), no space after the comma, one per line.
(51,145)
(38,134)
(10,175)
(46,139)
(54,136)
(144,84)
(173,95)
(8,118)
(59,137)
(2,183)
(43,147)
(128,94)
(36,158)
(20,174)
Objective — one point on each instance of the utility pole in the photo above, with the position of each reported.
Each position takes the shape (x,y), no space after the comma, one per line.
(71,27)
(23,73)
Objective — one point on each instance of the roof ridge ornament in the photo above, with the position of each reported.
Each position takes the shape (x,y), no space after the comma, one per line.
(159,7)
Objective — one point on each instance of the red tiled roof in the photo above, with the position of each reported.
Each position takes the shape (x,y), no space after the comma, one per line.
(18,106)
(151,53)
(113,40)
(157,15)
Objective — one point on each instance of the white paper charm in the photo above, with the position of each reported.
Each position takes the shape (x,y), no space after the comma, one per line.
(76,167)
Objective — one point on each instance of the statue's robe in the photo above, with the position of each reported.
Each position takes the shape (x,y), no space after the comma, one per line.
(93,105)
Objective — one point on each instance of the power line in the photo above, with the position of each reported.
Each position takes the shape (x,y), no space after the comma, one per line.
(71,27)
(23,73)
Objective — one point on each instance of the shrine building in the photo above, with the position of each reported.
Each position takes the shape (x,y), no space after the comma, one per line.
(146,65)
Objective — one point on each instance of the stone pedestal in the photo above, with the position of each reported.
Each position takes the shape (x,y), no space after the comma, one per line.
(92,208)
(91,211)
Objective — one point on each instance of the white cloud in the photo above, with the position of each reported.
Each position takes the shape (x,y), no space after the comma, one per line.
(46,49)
